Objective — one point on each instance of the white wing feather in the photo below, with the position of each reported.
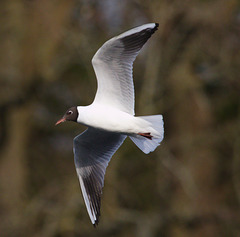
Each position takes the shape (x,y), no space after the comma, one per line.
(113,64)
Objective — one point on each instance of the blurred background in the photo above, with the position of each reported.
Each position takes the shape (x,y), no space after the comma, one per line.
(188,71)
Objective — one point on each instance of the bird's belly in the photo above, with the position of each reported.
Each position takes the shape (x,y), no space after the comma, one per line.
(120,124)
(110,120)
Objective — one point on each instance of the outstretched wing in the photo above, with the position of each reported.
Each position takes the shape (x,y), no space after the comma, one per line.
(113,64)
(93,149)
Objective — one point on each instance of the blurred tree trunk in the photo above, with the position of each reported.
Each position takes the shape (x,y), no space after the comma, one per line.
(13,172)
(190,120)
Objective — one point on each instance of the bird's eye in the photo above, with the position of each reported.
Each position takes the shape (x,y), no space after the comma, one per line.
(69,112)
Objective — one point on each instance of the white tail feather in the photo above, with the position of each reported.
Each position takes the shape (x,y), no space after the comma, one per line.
(156,130)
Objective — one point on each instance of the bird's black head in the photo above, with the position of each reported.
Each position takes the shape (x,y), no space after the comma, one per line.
(70,115)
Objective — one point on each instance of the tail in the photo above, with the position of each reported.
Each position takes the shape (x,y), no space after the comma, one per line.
(150,138)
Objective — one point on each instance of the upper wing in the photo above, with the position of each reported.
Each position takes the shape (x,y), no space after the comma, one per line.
(112,64)
(93,149)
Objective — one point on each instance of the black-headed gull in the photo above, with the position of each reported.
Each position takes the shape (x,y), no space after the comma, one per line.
(110,118)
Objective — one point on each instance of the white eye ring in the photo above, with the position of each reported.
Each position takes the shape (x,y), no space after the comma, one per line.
(70,112)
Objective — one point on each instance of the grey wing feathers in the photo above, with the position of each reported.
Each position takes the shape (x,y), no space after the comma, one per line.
(93,150)
(113,65)
(135,41)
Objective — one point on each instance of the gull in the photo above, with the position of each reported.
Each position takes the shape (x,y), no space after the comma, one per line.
(111,117)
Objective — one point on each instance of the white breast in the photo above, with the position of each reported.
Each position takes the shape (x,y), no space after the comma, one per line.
(107,118)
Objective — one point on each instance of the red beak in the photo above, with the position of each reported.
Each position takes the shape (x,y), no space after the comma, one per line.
(60,121)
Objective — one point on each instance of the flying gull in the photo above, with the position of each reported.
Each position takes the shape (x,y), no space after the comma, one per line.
(110,118)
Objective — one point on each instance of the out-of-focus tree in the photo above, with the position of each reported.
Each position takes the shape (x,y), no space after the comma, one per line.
(188,71)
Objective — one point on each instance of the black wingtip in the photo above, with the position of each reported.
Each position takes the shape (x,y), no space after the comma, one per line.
(96,222)
(155,28)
